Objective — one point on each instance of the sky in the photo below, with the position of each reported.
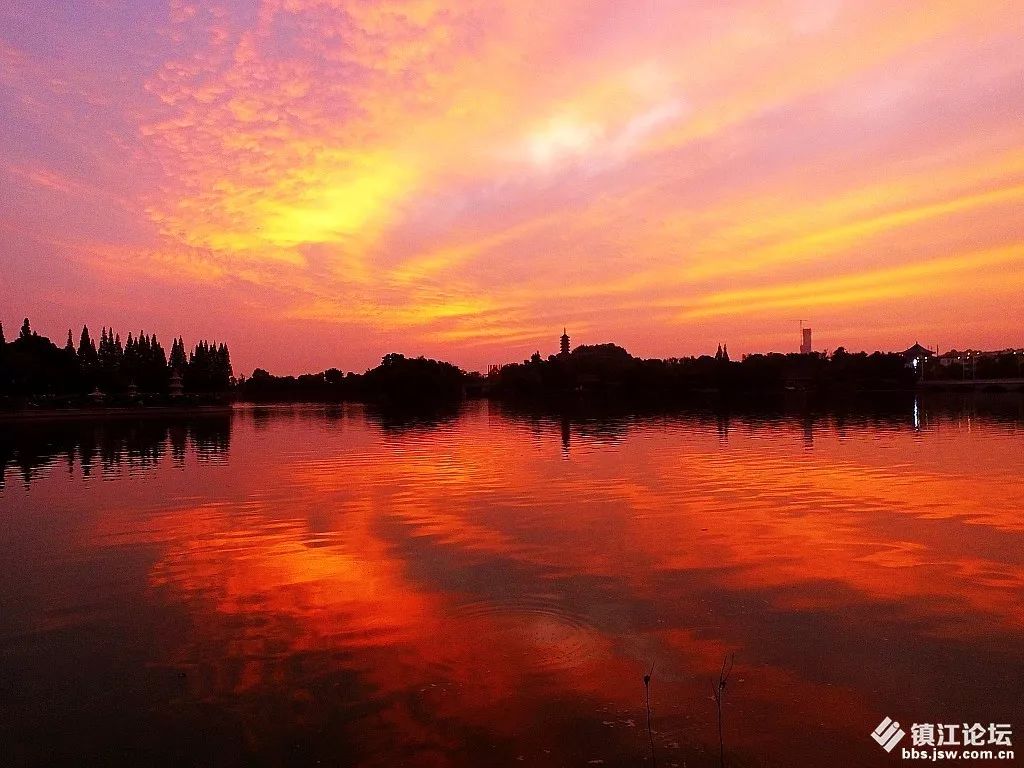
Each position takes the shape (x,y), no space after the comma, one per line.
(320,182)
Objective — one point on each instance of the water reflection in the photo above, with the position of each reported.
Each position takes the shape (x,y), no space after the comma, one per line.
(490,587)
(111,445)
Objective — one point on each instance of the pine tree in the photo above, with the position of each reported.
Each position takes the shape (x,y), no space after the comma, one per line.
(102,353)
(102,360)
(205,372)
(178,362)
(192,373)
(130,360)
(159,356)
(87,360)
(2,339)
(109,360)
(86,346)
(156,376)
(224,360)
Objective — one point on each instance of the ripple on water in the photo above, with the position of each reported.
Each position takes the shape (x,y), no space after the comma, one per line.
(537,633)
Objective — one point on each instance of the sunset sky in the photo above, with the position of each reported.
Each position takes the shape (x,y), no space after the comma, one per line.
(319,182)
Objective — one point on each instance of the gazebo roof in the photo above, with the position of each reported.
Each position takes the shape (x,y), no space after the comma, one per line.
(918,351)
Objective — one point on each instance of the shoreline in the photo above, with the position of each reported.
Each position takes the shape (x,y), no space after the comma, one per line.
(113,412)
(573,400)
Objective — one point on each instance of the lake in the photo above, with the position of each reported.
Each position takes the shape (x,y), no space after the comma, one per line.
(316,585)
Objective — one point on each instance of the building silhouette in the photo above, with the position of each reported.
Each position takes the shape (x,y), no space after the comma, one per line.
(805,343)
(564,343)
(916,357)
(176,388)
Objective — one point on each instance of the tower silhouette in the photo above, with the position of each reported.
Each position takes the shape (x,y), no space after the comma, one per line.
(805,342)
(564,343)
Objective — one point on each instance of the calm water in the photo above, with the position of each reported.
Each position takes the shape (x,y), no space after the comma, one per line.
(294,585)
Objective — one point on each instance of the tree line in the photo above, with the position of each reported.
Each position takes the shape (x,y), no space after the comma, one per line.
(600,371)
(397,380)
(608,371)
(33,367)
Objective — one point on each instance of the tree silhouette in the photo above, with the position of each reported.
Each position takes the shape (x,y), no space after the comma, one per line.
(399,379)
(209,368)
(130,361)
(34,367)
(106,374)
(178,361)
(117,351)
(5,372)
(86,346)
(224,371)
(88,360)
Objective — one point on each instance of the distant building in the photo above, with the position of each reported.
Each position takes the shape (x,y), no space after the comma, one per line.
(805,343)
(564,343)
(996,363)
(917,356)
(953,357)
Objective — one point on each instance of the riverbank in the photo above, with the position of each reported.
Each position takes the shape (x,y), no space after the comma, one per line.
(111,412)
(972,385)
